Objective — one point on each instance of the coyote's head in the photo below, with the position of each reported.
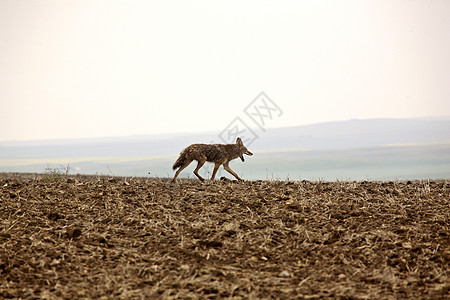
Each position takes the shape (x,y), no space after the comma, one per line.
(242,149)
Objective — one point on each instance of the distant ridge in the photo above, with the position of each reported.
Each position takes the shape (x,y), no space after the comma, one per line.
(348,134)
(359,133)
(374,149)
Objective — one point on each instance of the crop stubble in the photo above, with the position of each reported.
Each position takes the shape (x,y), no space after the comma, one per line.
(93,237)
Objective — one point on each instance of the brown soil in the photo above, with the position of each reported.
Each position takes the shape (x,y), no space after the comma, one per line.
(108,238)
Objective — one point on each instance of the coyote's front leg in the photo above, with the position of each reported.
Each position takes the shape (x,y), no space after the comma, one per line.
(216,167)
(227,167)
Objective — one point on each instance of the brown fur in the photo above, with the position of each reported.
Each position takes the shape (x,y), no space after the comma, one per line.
(217,153)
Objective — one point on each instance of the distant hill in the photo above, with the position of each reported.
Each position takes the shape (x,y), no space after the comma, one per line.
(331,135)
(357,134)
(281,150)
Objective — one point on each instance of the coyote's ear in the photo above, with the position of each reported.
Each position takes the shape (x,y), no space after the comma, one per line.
(239,141)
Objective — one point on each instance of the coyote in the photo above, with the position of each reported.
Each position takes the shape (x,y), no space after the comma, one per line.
(217,153)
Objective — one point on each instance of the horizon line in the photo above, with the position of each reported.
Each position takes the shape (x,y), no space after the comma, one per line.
(175,134)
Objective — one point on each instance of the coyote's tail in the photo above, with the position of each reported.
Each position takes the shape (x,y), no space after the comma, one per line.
(180,161)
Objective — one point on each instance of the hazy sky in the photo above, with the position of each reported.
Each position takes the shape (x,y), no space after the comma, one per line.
(72,69)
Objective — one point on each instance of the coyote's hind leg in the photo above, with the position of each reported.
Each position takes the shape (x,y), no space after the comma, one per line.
(199,165)
(180,169)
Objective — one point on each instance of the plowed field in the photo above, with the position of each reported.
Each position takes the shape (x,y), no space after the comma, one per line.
(132,238)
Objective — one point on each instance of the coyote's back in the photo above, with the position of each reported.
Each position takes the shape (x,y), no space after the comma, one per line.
(217,153)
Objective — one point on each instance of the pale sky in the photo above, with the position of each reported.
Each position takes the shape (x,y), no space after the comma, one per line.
(78,69)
